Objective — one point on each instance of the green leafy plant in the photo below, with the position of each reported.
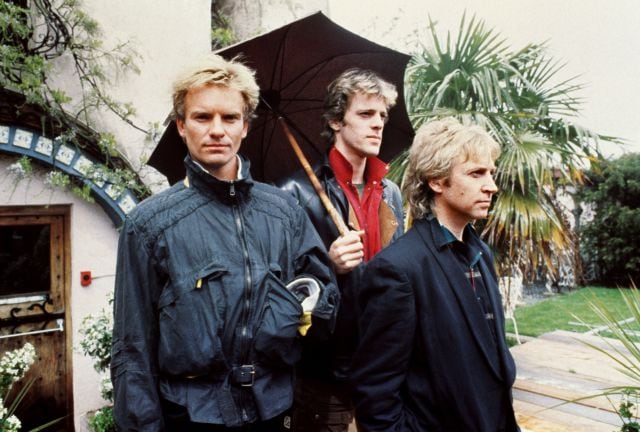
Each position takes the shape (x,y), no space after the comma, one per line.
(628,360)
(96,336)
(102,420)
(221,32)
(628,411)
(612,194)
(32,39)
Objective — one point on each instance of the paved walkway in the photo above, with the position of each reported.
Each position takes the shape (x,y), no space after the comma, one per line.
(558,367)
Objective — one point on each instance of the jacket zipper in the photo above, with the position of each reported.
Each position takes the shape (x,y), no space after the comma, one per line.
(246,310)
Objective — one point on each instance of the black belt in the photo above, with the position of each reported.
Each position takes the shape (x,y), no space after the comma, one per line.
(243,376)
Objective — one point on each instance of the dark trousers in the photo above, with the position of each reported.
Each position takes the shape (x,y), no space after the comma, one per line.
(176,419)
(321,406)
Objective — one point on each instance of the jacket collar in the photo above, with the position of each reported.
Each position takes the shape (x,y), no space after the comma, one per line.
(375,169)
(324,172)
(201,180)
(446,237)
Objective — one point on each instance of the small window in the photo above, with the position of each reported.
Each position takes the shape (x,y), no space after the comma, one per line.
(25,263)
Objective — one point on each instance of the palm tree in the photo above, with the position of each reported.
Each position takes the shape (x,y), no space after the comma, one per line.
(479,80)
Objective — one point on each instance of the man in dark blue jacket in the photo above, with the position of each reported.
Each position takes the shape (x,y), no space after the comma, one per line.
(206,330)
(432,354)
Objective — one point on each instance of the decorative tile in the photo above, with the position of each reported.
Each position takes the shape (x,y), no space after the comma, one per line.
(23,139)
(83,165)
(65,154)
(127,203)
(4,134)
(99,179)
(113,192)
(44,146)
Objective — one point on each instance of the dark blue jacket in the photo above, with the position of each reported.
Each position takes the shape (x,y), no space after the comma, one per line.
(202,315)
(427,360)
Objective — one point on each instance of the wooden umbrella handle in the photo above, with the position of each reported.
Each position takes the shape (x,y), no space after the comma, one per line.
(326,202)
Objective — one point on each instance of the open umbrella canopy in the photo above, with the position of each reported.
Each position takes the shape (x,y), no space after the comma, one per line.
(294,64)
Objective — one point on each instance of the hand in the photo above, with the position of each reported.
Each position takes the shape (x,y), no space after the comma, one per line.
(347,251)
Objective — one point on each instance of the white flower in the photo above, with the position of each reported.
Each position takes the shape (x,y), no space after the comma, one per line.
(17,170)
(106,387)
(14,364)
(10,424)
(96,338)
(57,179)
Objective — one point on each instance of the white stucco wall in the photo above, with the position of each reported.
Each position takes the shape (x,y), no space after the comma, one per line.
(250,18)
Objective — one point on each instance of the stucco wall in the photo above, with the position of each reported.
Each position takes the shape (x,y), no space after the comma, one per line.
(250,18)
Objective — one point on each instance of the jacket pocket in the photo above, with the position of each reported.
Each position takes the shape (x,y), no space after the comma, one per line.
(276,338)
(191,314)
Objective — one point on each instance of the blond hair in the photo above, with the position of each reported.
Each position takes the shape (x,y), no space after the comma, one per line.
(436,147)
(215,70)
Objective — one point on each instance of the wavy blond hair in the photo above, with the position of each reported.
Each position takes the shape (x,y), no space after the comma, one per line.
(436,147)
(215,70)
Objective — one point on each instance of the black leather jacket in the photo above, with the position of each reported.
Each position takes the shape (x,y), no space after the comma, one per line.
(331,359)
(202,315)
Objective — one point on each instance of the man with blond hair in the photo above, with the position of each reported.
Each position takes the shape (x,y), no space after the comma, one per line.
(432,353)
(206,331)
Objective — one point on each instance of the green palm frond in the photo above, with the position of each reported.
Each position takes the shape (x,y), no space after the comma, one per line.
(526,229)
(516,96)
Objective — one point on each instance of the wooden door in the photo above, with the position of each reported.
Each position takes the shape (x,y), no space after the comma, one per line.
(34,294)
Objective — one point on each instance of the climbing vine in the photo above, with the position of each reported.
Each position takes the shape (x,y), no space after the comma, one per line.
(36,36)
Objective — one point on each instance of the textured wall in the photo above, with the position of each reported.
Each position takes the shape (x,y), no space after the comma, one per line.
(251,18)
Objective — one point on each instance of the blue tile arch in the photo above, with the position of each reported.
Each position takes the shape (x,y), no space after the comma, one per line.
(70,160)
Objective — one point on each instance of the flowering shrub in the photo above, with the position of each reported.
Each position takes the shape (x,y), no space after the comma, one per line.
(57,179)
(96,338)
(13,366)
(21,169)
(8,423)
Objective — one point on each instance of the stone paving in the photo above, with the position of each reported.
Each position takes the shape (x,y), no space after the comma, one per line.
(559,367)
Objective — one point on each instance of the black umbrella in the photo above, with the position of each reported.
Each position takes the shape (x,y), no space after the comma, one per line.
(294,65)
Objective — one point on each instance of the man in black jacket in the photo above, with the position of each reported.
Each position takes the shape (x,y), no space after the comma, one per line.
(432,353)
(356,110)
(206,330)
